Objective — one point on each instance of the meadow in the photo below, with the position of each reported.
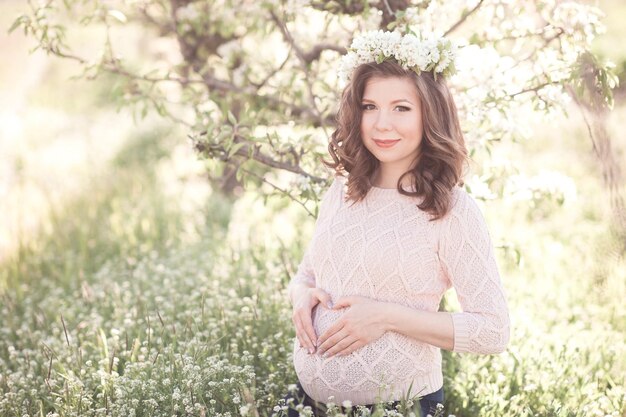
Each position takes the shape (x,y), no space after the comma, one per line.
(128,287)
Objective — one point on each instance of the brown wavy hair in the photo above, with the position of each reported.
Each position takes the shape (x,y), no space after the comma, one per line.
(442,151)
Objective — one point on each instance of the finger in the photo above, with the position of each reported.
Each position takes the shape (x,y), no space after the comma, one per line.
(342,302)
(338,325)
(297,325)
(307,326)
(339,346)
(332,341)
(324,298)
(350,348)
(304,338)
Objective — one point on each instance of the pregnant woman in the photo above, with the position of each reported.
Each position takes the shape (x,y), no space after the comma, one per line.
(395,230)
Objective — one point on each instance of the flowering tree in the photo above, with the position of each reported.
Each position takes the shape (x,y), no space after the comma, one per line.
(256,84)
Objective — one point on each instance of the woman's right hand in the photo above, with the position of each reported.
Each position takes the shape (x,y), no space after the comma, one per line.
(304,300)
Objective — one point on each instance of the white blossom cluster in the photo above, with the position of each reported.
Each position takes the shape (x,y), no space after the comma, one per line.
(188,12)
(581,21)
(431,52)
(545,185)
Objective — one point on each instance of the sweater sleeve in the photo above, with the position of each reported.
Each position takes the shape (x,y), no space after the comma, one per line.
(305,273)
(467,257)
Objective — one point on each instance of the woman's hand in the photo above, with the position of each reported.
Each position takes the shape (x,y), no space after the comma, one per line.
(304,300)
(363,323)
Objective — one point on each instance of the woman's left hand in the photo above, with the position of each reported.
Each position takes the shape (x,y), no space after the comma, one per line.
(363,323)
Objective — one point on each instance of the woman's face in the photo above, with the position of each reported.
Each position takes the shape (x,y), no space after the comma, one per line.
(391,109)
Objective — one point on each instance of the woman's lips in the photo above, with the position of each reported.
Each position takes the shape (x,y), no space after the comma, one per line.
(386,143)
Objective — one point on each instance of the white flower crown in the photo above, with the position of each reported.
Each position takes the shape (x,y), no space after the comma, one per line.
(430,53)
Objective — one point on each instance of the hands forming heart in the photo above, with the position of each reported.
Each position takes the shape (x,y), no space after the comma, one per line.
(363,323)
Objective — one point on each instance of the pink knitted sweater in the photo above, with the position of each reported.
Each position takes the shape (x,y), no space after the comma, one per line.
(385,248)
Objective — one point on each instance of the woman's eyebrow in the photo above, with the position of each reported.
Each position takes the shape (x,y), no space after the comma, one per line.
(393,102)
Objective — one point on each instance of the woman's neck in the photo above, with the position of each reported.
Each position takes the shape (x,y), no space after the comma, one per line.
(386,179)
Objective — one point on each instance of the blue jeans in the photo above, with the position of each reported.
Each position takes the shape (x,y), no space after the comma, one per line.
(428,403)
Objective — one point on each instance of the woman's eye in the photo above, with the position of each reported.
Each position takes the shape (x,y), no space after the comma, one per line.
(372,107)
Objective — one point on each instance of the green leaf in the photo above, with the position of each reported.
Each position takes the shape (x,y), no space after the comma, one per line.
(233,150)
(160,108)
(21,19)
(331,5)
(475,39)
(231,118)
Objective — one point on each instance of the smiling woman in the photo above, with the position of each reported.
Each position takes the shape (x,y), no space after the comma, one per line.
(391,125)
(367,292)
(387,101)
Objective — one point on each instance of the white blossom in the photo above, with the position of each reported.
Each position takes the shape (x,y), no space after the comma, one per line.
(431,52)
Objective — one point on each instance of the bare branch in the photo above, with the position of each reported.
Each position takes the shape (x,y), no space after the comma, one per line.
(254,153)
(317,50)
(281,190)
(304,64)
(345,7)
(163,27)
(305,57)
(463,18)
(388,7)
(271,74)
(285,32)
(528,56)
(545,43)
(212,83)
(534,89)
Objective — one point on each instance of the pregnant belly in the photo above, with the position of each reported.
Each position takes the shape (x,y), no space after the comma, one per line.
(392,357)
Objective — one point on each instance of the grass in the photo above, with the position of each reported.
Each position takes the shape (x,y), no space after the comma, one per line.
(120,307)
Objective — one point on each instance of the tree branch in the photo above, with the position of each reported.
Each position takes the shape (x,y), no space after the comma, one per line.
(304,64)
(212,83)
(463,18)
(164,28)
(254,153)
(534,89)
(281,190)
(305,57)
(317,50)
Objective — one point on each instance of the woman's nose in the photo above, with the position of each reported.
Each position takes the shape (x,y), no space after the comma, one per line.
(383,121)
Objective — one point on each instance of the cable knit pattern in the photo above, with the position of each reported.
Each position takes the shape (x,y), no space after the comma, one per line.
(385,248)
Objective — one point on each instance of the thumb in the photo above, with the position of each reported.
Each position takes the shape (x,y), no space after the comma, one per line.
(343,302)
(324,298)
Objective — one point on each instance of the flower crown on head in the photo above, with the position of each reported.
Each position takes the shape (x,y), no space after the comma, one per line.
(429,53)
